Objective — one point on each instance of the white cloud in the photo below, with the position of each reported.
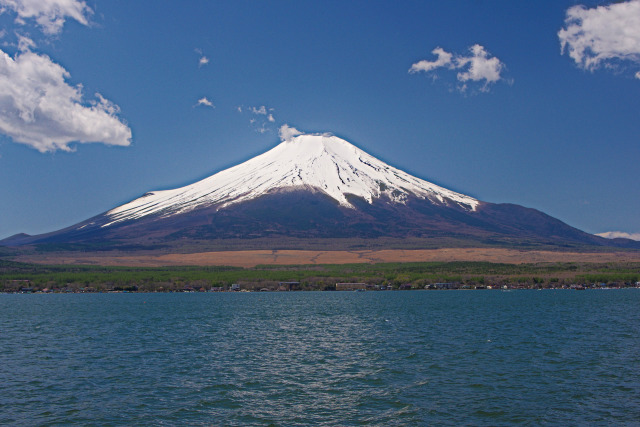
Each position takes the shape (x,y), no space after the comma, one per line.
(476,67)
(287,133)
(50,15)
(602,36)
(260,110)
(262,119)
(204,101)
(25,43)
(481,66)
(638,75)
(619,234)
(38,108)
(444,60)
(203,59)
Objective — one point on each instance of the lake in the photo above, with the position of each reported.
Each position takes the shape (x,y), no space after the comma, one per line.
(488,357)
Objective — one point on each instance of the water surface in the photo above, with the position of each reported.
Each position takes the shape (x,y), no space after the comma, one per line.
(321,358)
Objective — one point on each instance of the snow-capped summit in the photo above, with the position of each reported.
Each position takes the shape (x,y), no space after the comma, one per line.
(317,162)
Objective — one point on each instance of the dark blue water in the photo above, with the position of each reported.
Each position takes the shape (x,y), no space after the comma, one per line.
(345,358)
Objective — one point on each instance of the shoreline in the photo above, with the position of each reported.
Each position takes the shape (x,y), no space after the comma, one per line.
(58,292)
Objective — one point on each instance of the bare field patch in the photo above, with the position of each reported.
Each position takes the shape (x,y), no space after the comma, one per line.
(295,257)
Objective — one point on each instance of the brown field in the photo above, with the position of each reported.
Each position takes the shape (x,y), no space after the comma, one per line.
(292,257)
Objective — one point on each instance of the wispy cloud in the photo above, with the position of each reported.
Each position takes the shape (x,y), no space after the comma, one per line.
(604,36)
(204,102)
(49,15)
(40,109)
(203,60)
(477,66)
(262,117)
(25,43)
(619,234)
(287,133)
(445,59)
(262,110)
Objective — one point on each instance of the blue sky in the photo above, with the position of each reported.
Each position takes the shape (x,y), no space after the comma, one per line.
(498,112)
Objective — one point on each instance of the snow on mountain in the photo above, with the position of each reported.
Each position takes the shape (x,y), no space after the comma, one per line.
(321,163)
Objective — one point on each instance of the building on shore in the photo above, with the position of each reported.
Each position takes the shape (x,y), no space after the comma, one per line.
(288,286)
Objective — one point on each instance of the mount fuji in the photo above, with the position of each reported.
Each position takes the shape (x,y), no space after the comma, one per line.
(315,188)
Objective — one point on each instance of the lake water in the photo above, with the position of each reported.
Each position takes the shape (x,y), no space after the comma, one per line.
(321,358)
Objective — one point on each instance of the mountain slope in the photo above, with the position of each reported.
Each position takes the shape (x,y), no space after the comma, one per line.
(319,163)
(316,187)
